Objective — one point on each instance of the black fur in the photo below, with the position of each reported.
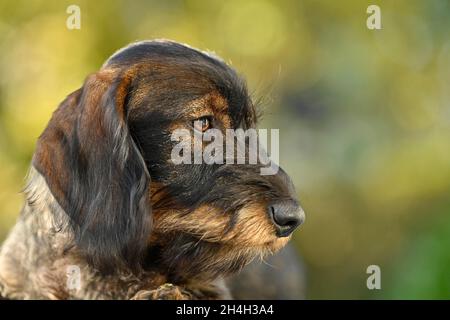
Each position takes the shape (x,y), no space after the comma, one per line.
(101,168)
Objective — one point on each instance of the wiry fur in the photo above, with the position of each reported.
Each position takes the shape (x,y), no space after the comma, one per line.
(104,196)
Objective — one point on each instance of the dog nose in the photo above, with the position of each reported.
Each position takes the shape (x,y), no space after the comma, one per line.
(286,216)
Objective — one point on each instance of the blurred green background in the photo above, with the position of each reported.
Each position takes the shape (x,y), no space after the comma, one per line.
(364,116)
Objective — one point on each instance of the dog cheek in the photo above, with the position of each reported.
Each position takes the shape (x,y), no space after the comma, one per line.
(205,222)
(253,228)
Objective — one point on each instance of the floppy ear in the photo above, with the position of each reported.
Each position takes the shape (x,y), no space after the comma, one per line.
(96,172)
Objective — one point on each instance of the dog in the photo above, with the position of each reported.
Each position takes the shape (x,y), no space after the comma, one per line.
(109,216)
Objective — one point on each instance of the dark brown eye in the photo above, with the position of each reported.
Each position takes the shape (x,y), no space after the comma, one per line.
(202,124)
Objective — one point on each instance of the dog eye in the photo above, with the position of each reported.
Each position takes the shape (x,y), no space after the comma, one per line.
(202,124)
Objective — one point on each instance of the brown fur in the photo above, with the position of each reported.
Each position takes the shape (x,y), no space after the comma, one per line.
(103,196)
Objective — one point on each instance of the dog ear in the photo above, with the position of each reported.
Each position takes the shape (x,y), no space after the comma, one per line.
(96,172)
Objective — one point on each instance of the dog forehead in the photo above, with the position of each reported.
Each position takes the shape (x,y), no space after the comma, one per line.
(150,49)
(173,74)
(212,101)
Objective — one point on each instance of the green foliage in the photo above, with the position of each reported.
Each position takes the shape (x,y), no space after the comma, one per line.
(423,272)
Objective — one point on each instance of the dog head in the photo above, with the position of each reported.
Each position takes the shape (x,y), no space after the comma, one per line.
(106,157)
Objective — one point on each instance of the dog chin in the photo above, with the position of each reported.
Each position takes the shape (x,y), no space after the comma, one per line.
(238,257)
(188,258)
(277,244)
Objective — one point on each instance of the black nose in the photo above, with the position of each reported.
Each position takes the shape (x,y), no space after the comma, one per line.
(286,216)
